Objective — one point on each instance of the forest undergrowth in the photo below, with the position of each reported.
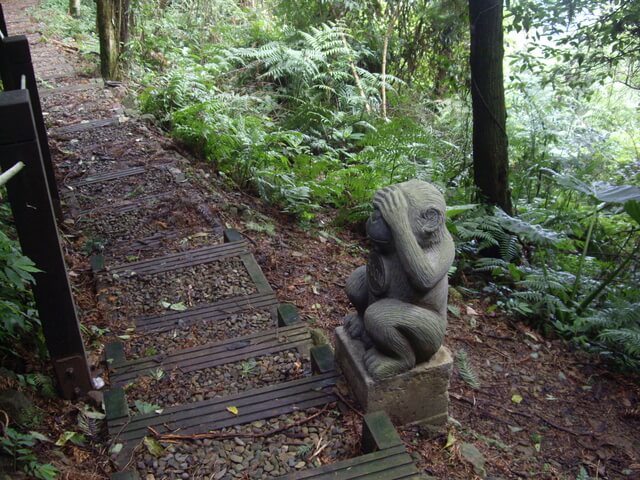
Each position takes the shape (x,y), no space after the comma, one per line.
(301,113)
(293,104)
(299,106)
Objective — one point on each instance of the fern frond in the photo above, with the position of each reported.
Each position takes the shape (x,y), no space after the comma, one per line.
(466,371)
(488,264)
(628,339)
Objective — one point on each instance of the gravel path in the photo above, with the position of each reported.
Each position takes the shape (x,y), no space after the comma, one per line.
(199,333)
(142,295)
(254,458)
(168,388)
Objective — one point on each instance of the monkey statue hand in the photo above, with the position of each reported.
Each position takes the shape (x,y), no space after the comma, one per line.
(394,208)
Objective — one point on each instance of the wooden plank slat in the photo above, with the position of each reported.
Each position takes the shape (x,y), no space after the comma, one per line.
(174,261)
(255,272)
(220,418)
(209,312)
(130,443)
(107,176)
(314,382)
(47,92)
(234,344)
(212,355)
(80,127)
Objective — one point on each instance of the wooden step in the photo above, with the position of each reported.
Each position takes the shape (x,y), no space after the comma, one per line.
(78,127)
(213,355)
(179,260)
(201,325)
(150,227)
(114,188)
(389,464)
(96,83)
(211,312)
(213,414)
(107,176)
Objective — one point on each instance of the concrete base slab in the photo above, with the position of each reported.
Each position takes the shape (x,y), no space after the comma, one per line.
(417,396)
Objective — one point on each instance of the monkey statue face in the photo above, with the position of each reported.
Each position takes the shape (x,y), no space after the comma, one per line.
(379,233)
(427,212)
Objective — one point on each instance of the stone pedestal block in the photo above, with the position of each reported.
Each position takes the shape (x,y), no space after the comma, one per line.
(417,396)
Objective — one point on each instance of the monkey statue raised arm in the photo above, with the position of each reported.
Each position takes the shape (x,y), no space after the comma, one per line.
(401,294)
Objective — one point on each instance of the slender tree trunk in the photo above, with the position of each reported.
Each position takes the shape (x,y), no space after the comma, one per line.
(490,157)
(109,41)
(357,80)
(124,15)
(74,8)
(113,17)
(385,48)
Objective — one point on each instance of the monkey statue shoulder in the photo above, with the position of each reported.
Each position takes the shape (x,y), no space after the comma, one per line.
(400,296)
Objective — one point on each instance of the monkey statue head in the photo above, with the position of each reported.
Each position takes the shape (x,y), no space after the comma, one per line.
(427,210)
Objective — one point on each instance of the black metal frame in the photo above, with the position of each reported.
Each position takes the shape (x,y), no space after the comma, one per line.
(33,197)
(15,64)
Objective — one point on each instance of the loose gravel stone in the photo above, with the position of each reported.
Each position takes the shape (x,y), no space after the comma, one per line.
(199,333)
(143,294)
(264,457)
(175,387)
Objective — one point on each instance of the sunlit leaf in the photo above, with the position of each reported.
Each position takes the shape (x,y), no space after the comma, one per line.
(153,446)
(451,439)
(73,437)
(632,207)
(233,409)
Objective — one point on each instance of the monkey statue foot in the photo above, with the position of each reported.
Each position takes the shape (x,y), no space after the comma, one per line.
(354,325)
(382,366)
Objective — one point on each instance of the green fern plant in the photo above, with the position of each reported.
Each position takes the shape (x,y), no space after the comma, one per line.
(466,370)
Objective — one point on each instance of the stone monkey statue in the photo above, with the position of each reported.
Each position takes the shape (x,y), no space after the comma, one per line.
(401,294)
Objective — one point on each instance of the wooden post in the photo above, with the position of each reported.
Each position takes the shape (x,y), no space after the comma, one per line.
(15,61)
(3,24)
(28,195)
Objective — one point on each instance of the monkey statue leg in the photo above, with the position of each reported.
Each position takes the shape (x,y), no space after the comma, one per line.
(402,334)
(358,294)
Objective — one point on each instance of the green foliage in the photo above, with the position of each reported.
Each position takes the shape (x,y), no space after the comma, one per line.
(72,437)
(586,40)
(306,81)
(20,447)
(285,99)
(78,31)
(40,383)
(19,326)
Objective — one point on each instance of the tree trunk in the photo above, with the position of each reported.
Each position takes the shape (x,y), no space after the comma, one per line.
(113,29)
(74,8)
(490,157)
(109,44)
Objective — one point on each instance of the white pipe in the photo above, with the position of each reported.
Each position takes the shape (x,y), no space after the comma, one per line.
(9,174)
